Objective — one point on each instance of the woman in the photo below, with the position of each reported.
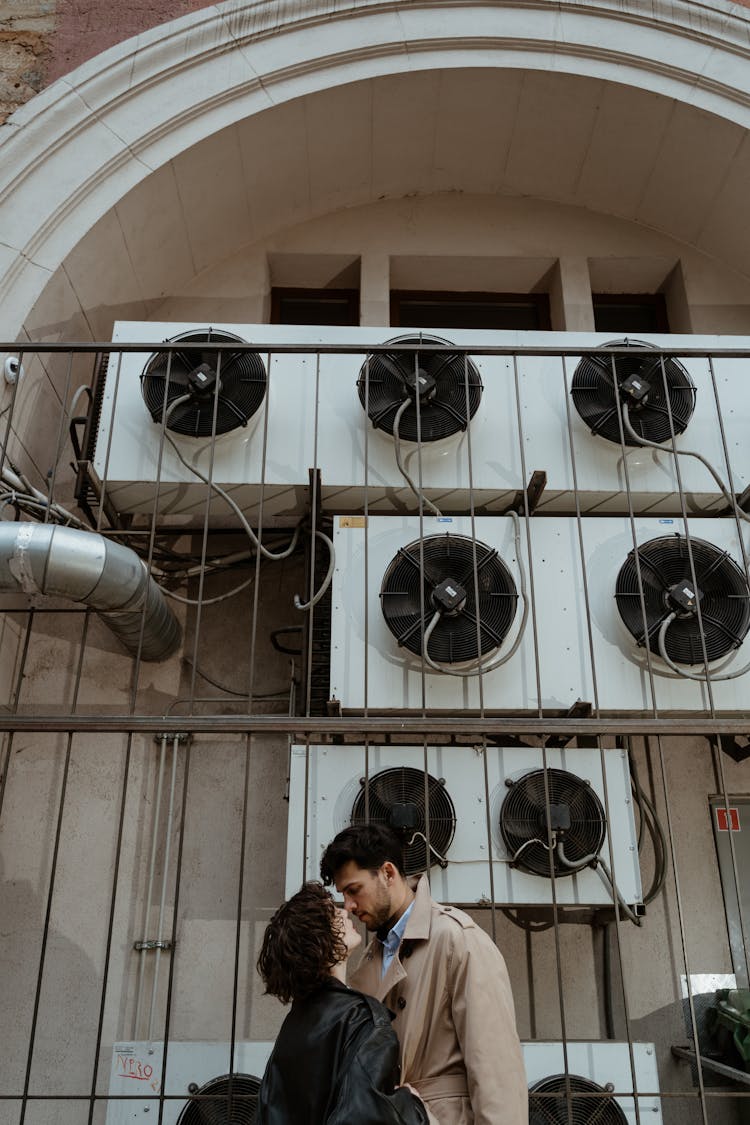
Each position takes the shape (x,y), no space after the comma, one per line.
(335,1061)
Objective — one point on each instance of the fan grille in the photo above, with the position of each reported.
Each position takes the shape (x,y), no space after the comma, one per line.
(396,799)
(412,578)
(671,393)
(665,566)
(228,1100)
(524,818)
(387,380)
(571,1109)
(242,376)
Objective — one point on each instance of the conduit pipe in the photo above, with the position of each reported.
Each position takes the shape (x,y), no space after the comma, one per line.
(62,562)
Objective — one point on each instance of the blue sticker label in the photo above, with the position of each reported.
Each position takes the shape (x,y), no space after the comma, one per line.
(666,521)
(445,519)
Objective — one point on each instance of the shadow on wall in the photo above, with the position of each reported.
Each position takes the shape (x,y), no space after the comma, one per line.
(64,1039)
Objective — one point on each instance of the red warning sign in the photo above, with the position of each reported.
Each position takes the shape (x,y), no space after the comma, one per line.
(724,823)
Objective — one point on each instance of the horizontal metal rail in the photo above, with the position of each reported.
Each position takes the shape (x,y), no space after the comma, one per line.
(554,350)
(481,727)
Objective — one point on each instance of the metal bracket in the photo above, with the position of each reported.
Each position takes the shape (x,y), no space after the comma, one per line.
(146,946)
(171,735)
(531,495)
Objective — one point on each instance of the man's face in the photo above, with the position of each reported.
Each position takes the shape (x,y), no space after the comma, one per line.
(367,894)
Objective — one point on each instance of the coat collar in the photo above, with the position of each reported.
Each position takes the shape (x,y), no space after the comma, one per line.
(420,919)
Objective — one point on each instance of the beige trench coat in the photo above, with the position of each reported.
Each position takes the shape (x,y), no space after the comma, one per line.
(450,991)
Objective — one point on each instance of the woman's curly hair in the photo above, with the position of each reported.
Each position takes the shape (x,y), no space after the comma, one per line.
(301,945)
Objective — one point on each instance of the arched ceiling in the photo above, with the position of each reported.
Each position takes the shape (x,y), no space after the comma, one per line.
(240,119)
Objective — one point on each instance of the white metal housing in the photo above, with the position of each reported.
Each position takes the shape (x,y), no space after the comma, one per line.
(524,406)
(333,776)
(557,440)
(603,1063)
(137,1070)
(369,669)
(128,441)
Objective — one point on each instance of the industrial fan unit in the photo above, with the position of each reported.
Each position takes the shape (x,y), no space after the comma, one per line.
(481,840)
(587,639)
(445,599)
(684,597)
(572,420)
(666,596)
(405,799)
(657,390)
(203,392)
(445,413)
(552,821)
(236,417)
(435,393)
(599,1085)
(459,585)
(200,1084)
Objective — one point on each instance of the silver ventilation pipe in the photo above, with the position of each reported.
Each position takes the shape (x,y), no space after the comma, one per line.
(38,558)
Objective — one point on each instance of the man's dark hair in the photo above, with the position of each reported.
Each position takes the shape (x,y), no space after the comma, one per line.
(367,845)
(301,945)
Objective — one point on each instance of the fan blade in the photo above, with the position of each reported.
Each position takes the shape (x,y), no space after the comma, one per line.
(484,555)
(483,626)
(396,365)
(423,568)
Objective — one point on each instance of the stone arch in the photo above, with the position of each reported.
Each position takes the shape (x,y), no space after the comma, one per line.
(78,147)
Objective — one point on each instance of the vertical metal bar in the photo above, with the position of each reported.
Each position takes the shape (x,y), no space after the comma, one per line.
(45,929)
(60,438)
(108,453)
(170,976)
(537,674)
(204,534)
(313,530)
(634,537)
(258,551)
(110,927)
(150,884)
(163,896)
(50,897)
(681,923)
(11,410)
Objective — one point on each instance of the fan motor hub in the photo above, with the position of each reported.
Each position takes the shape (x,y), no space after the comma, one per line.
(202,380)
(558,820)
(448,597)
(403,817)
(683,597)
(635,390)
(420,384)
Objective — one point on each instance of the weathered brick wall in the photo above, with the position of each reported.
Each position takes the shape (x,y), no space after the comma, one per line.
(40,40)
(26,29)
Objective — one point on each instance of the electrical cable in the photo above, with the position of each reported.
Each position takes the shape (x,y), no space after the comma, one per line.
(482,669)
(397,444)
(600,865)
(225,495)
(701,677)
(650,819)
(231,691)
(686,453)
(270,555)
(326,581)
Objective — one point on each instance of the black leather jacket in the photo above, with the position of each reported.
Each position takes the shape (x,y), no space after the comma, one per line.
(335,1062)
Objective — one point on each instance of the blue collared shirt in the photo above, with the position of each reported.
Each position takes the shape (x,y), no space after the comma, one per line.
(393,940)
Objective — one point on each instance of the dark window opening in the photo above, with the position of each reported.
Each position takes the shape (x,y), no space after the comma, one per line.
(630,312)
(314,306)
(525,311)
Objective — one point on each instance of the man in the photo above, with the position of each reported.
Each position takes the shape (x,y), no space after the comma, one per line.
(441,975)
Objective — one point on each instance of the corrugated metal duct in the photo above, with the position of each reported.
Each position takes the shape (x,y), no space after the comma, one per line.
(86,567)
